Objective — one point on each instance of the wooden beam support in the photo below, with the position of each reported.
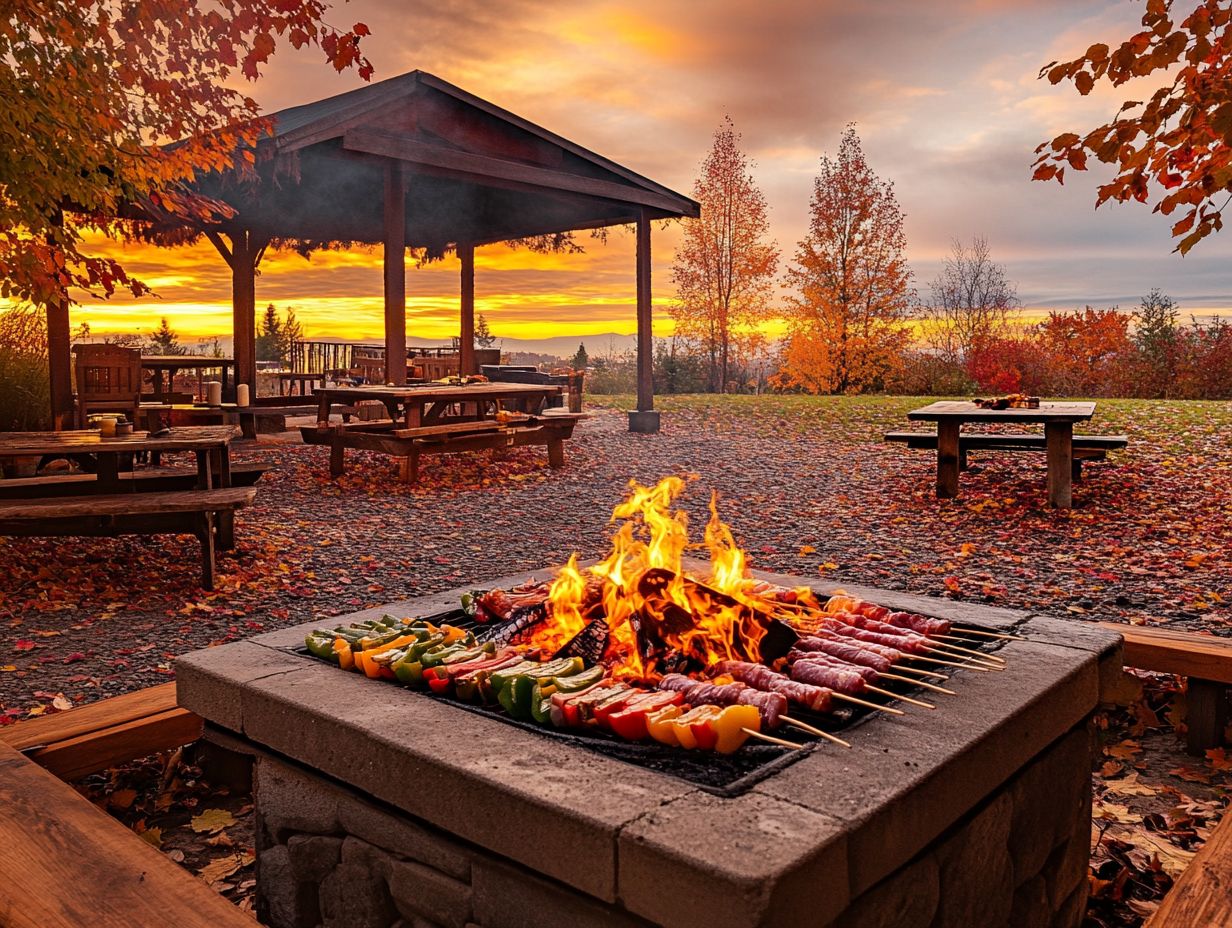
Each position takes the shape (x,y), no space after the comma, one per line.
(395,273)
(645,341)
(466,344)
(60,363)
(241,256)
(452,162)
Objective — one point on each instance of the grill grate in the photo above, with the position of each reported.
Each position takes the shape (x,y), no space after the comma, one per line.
(725,775)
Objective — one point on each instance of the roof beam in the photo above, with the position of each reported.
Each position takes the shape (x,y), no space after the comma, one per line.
(452,162)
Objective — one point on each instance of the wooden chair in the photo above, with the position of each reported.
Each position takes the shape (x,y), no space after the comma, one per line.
(109,380)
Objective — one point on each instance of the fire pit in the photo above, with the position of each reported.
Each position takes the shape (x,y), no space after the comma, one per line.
(375,803)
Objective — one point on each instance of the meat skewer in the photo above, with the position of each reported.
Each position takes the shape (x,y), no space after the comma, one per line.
(772,706)
(839,680)
(870,675)
(817,698)
(861,654)
(920,640)
(910,644)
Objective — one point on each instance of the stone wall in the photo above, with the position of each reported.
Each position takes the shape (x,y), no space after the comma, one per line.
(1019,860)
(327,856)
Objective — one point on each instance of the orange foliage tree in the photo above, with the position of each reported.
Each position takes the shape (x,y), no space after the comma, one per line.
(852,284)
(90,92)
(724,267)
(1181,138)
(1085,349)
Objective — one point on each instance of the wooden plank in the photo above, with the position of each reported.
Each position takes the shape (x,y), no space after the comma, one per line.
(1167,650)
(115,710)
(129,504)
(1202,896)
(448,428)
(65,863)
(85,441)
(1206,718)
(457,162)
(466,343)
(92,751)
(966,411)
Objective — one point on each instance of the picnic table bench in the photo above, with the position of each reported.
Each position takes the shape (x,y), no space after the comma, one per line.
(190,512)
(152,480)
(1085,447)
(65,863)
(441,419)
(1058,439)
(1202,895)
(1205,659)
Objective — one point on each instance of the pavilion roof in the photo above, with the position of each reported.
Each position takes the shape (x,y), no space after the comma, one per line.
(474,172)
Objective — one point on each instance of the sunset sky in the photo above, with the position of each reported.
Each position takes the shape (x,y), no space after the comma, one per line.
(944,96)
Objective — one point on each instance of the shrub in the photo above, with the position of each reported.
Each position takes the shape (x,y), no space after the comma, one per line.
(25,389)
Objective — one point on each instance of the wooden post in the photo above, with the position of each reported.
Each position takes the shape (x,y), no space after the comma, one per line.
(645,419)
(466,344)
(242,256)
(1059,437)
(947,458)
(395,273)
(1208,715)
(60,363)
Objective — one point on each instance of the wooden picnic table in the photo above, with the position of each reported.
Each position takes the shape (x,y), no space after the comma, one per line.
(292,382)
(164,367)
(416,405)
(211,443)
(1058,420)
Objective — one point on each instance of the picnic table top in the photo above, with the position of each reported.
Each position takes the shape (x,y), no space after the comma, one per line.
(88,441)
(429,392)
(967,411)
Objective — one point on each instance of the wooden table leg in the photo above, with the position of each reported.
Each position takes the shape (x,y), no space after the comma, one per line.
(205,534)
(414,414)
(1059,437)
(222,477)
(556,453)
(1207,715)
(947,458)
(109,471)
(336,454)
(323,411)
(205,471)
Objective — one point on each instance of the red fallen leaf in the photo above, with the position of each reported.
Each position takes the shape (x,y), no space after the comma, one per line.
(953,584)
(74,658)
(25,644)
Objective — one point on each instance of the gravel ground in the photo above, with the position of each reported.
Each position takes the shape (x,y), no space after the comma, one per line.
(805,483)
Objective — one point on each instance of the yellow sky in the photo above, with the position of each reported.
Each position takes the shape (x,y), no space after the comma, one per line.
(945,96)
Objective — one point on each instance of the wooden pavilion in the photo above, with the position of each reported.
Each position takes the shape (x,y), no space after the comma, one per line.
(415,161)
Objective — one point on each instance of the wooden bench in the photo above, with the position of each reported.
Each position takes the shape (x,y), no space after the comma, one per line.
(65,863)
(152,480)
(102,734)
(1205,659)
(190,512)
(1086,447)
(1202,895)
(443,438)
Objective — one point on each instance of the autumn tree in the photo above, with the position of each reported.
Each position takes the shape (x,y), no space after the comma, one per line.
(581,360)
(724,268)
(1179,141)
(851,282)
(483,335)
(89,92)
(970,301)
(1085,350)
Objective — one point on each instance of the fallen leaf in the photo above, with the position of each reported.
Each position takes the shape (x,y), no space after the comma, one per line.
(62,702)
(806,549)
(1129,786)
(222,839)
(1125,750)
(212,820)
(153,836)
(218,870)
(122,798)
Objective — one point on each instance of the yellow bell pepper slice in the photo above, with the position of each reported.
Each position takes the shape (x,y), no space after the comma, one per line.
(346,660)
(731,725)
(659,725)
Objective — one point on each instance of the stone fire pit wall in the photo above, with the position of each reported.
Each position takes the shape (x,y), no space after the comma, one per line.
(379,807)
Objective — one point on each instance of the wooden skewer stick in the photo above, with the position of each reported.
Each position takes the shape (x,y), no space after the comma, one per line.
(970,659)
(984,634)
(773,740)
(982,655)
(813,731)
(920,672)
(868,705)
(914,702)
(915,682)
(937,660)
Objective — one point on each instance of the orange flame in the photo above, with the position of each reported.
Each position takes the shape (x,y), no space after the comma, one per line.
(705,621)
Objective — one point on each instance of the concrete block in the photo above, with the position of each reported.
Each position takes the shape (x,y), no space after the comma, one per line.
(205,680)
(645,422)
(907,899)
(421,892)
(705,862)
(509,897)
(313,856)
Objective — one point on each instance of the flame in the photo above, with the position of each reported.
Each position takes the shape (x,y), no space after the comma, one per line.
(653,608)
